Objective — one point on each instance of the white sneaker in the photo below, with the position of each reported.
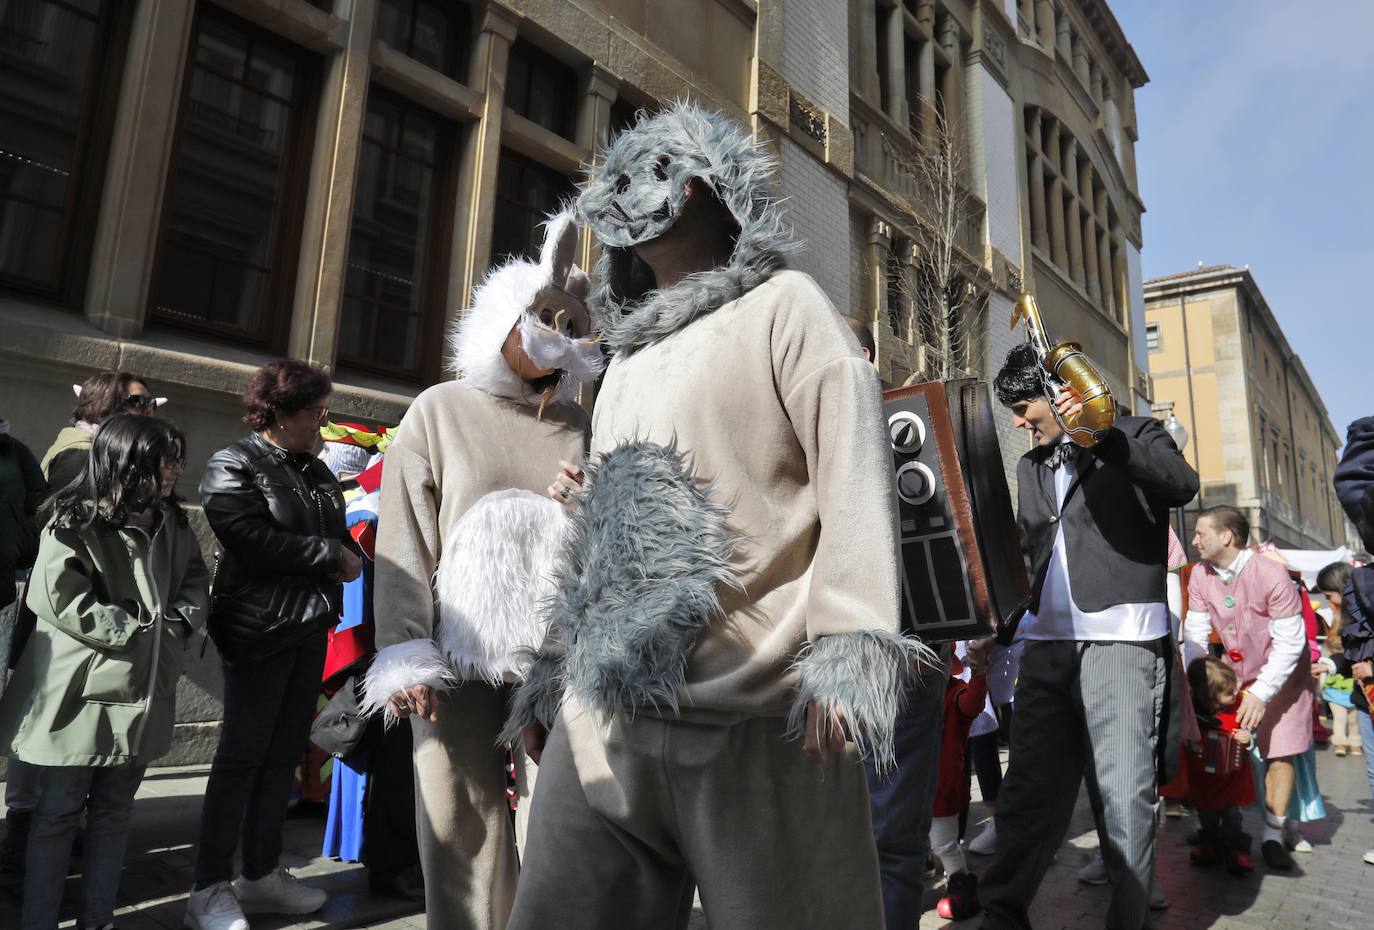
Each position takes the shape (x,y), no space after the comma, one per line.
(278,892)
(1293,839)
(1094,873)
(214,908)
(985,843)
(1369,857)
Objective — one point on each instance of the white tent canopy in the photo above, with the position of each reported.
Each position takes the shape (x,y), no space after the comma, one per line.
(1311,561)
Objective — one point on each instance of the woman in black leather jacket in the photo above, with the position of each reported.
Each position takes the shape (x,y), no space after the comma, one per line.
(278,514)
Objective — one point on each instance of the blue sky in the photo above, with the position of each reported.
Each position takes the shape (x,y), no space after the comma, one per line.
(1257,148)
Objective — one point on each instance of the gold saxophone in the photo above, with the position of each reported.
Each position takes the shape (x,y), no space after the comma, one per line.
(1066,365)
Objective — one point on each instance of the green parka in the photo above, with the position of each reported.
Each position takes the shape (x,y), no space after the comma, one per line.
(117,610)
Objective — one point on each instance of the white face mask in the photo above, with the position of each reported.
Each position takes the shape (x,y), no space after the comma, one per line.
(580,359)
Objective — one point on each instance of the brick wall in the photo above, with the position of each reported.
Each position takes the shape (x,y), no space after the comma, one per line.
(815,52)
(817,203)
(1001,149)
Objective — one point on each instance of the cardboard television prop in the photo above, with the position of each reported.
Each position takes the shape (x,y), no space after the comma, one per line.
(963,574)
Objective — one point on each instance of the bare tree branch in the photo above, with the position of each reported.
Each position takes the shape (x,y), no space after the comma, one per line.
(948,308)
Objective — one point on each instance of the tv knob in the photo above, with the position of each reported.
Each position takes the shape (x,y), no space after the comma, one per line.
(915,483)
(906,431)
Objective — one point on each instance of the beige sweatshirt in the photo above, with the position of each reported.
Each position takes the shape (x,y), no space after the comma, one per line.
(772,405)
(455,444)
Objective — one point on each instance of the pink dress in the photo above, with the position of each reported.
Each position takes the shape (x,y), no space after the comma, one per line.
(1240,613)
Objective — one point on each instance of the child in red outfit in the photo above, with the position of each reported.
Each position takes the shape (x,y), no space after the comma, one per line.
(964,701)
(1219,779)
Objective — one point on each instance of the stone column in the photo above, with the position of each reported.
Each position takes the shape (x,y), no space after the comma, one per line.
(1085,191)
(1058,245)
(1095,81)
(318,302)
(476,190)
(1063,38)
(126,234)
(1104,254)
(1075,224)
(594,124)
(868,52)
(1080,60)
(1120,302)
(1044,23)
(926,89)
(896,67)
(954,101)
(1035,182)
(875,257)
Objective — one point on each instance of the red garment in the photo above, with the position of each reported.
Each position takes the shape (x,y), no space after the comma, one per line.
(964,701)
(1229,783)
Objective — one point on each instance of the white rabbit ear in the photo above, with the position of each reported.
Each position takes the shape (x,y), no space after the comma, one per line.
(560,247)
(76,389)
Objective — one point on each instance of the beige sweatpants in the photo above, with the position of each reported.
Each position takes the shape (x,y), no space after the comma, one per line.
(626,819)
(467,845)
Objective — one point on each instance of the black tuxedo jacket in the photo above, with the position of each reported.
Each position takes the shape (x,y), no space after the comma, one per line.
(1115,515)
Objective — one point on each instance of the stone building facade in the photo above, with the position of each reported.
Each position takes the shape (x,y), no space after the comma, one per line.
(1260,436)
(189,188)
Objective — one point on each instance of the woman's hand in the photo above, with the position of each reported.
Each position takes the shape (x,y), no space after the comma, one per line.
(569,480)
(1242,737)
(1362,671)
(418,700)
(352,565)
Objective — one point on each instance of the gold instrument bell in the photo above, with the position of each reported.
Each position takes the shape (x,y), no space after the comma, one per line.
(1066,365)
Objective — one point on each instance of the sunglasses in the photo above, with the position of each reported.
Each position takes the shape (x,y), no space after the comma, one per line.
(140,402)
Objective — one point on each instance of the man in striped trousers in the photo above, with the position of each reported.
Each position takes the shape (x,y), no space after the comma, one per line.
(1091,694)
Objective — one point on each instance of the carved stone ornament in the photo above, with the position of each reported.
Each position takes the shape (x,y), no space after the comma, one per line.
(807,119)
(995,46)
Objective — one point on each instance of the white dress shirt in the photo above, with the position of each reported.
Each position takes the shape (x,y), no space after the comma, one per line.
(1289,636)
(1061,618)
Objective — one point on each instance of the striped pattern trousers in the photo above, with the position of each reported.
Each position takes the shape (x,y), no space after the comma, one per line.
(1083,710)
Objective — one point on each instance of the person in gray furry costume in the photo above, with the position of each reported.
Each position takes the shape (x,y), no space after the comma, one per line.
(726,604)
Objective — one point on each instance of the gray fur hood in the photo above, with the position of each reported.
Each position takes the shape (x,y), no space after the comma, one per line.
(637,192)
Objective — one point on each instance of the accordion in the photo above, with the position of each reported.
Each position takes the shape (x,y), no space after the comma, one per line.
(962,568)
(1220,753)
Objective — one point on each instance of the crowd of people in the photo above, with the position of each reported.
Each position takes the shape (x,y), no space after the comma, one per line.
(581,673)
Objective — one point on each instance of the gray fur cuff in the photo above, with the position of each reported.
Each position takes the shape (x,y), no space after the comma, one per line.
(863,676)
(536,700)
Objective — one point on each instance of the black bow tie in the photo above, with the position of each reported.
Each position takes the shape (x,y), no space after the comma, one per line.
(1066,453)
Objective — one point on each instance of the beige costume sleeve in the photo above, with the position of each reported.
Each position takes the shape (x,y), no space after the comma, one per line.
(856,663)
(408,549)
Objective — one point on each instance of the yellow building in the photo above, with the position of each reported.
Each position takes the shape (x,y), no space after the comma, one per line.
(1260,436)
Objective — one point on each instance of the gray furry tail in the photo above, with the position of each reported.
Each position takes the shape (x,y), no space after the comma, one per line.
(536,699)
(647,556)
(863,676)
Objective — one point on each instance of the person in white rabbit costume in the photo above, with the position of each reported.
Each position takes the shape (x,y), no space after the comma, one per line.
(466,538)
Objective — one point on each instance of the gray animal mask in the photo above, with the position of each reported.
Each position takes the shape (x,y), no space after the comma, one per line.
(637,192)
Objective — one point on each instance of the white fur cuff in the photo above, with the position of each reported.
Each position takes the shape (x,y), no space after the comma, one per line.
(400,666)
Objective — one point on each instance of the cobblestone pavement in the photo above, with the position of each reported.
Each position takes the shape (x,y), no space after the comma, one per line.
(1333,888)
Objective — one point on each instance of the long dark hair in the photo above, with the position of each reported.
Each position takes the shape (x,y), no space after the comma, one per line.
(103,395)
(122,475)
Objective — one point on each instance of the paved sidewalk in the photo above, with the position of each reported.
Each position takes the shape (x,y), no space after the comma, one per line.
(1332,889)
(161,855)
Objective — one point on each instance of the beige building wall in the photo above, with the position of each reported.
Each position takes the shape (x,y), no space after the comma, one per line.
(1259,434)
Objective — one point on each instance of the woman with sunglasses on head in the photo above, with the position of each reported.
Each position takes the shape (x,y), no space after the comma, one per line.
(285,553)
(119,589)
(99,397)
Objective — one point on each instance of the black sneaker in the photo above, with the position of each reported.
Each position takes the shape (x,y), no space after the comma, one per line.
(1277,856)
